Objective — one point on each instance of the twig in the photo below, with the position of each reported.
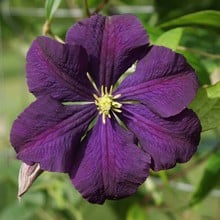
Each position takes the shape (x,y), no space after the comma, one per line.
(86,8)
(202,53)
(100,6)
(196,163)
(70,4)
(182,173)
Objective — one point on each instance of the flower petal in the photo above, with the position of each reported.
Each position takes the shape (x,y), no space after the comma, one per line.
(112,43)
(163,81)
(49,133)
(58,70)
(167,140)
(109,165)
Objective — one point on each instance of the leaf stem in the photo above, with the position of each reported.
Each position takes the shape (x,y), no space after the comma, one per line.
(202,53)
(196,163)
(46,30)
(100,6)
(183,172)
(86,9)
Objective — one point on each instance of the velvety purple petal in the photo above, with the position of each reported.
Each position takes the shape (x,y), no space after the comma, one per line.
(166,96)
(58,70)
(109,165)
(163,81)
(167,140)
(112,43)
(48,133)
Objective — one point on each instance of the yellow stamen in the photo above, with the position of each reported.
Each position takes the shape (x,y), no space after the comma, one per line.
(111,90)
(116,110)
(102,91)
(117,96)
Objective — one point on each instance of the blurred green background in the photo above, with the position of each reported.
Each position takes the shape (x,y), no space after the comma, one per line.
(189,191)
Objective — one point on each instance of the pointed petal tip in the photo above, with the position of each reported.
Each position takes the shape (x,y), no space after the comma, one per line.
(19,198)
(27,175)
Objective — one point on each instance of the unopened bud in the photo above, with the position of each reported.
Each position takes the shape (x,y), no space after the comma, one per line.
(27,175)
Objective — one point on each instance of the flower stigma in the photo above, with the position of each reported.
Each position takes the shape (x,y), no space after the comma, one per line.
(106,103)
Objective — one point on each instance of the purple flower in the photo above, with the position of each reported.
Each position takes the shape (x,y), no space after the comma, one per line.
(106,137)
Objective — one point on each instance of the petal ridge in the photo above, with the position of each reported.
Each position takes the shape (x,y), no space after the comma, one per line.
(109,165)
(116,42)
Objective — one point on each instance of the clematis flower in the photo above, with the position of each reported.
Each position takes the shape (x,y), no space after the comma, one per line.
(104,135)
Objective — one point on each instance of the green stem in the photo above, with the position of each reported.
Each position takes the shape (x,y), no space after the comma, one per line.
(182,173)
(86,9)
(202,53)
(101,6)
(196,163)
(46,30)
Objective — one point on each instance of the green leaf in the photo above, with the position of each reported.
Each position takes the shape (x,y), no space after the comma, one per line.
(51,6)
(200,69)
(207,106)
(136,212)
(17,211)
(34,199)
(170,38)
(204,18)
(94,3)
(209,180)
(153,32)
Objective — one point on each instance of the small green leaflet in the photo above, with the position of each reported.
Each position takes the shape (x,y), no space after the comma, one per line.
(207,106)
(210,178)
(205,18)
(51,6)
(170,38)
(136,212)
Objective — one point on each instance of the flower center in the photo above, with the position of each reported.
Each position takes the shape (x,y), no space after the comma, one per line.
(106,103)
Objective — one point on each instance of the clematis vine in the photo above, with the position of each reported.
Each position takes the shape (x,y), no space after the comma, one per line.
(106,135)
